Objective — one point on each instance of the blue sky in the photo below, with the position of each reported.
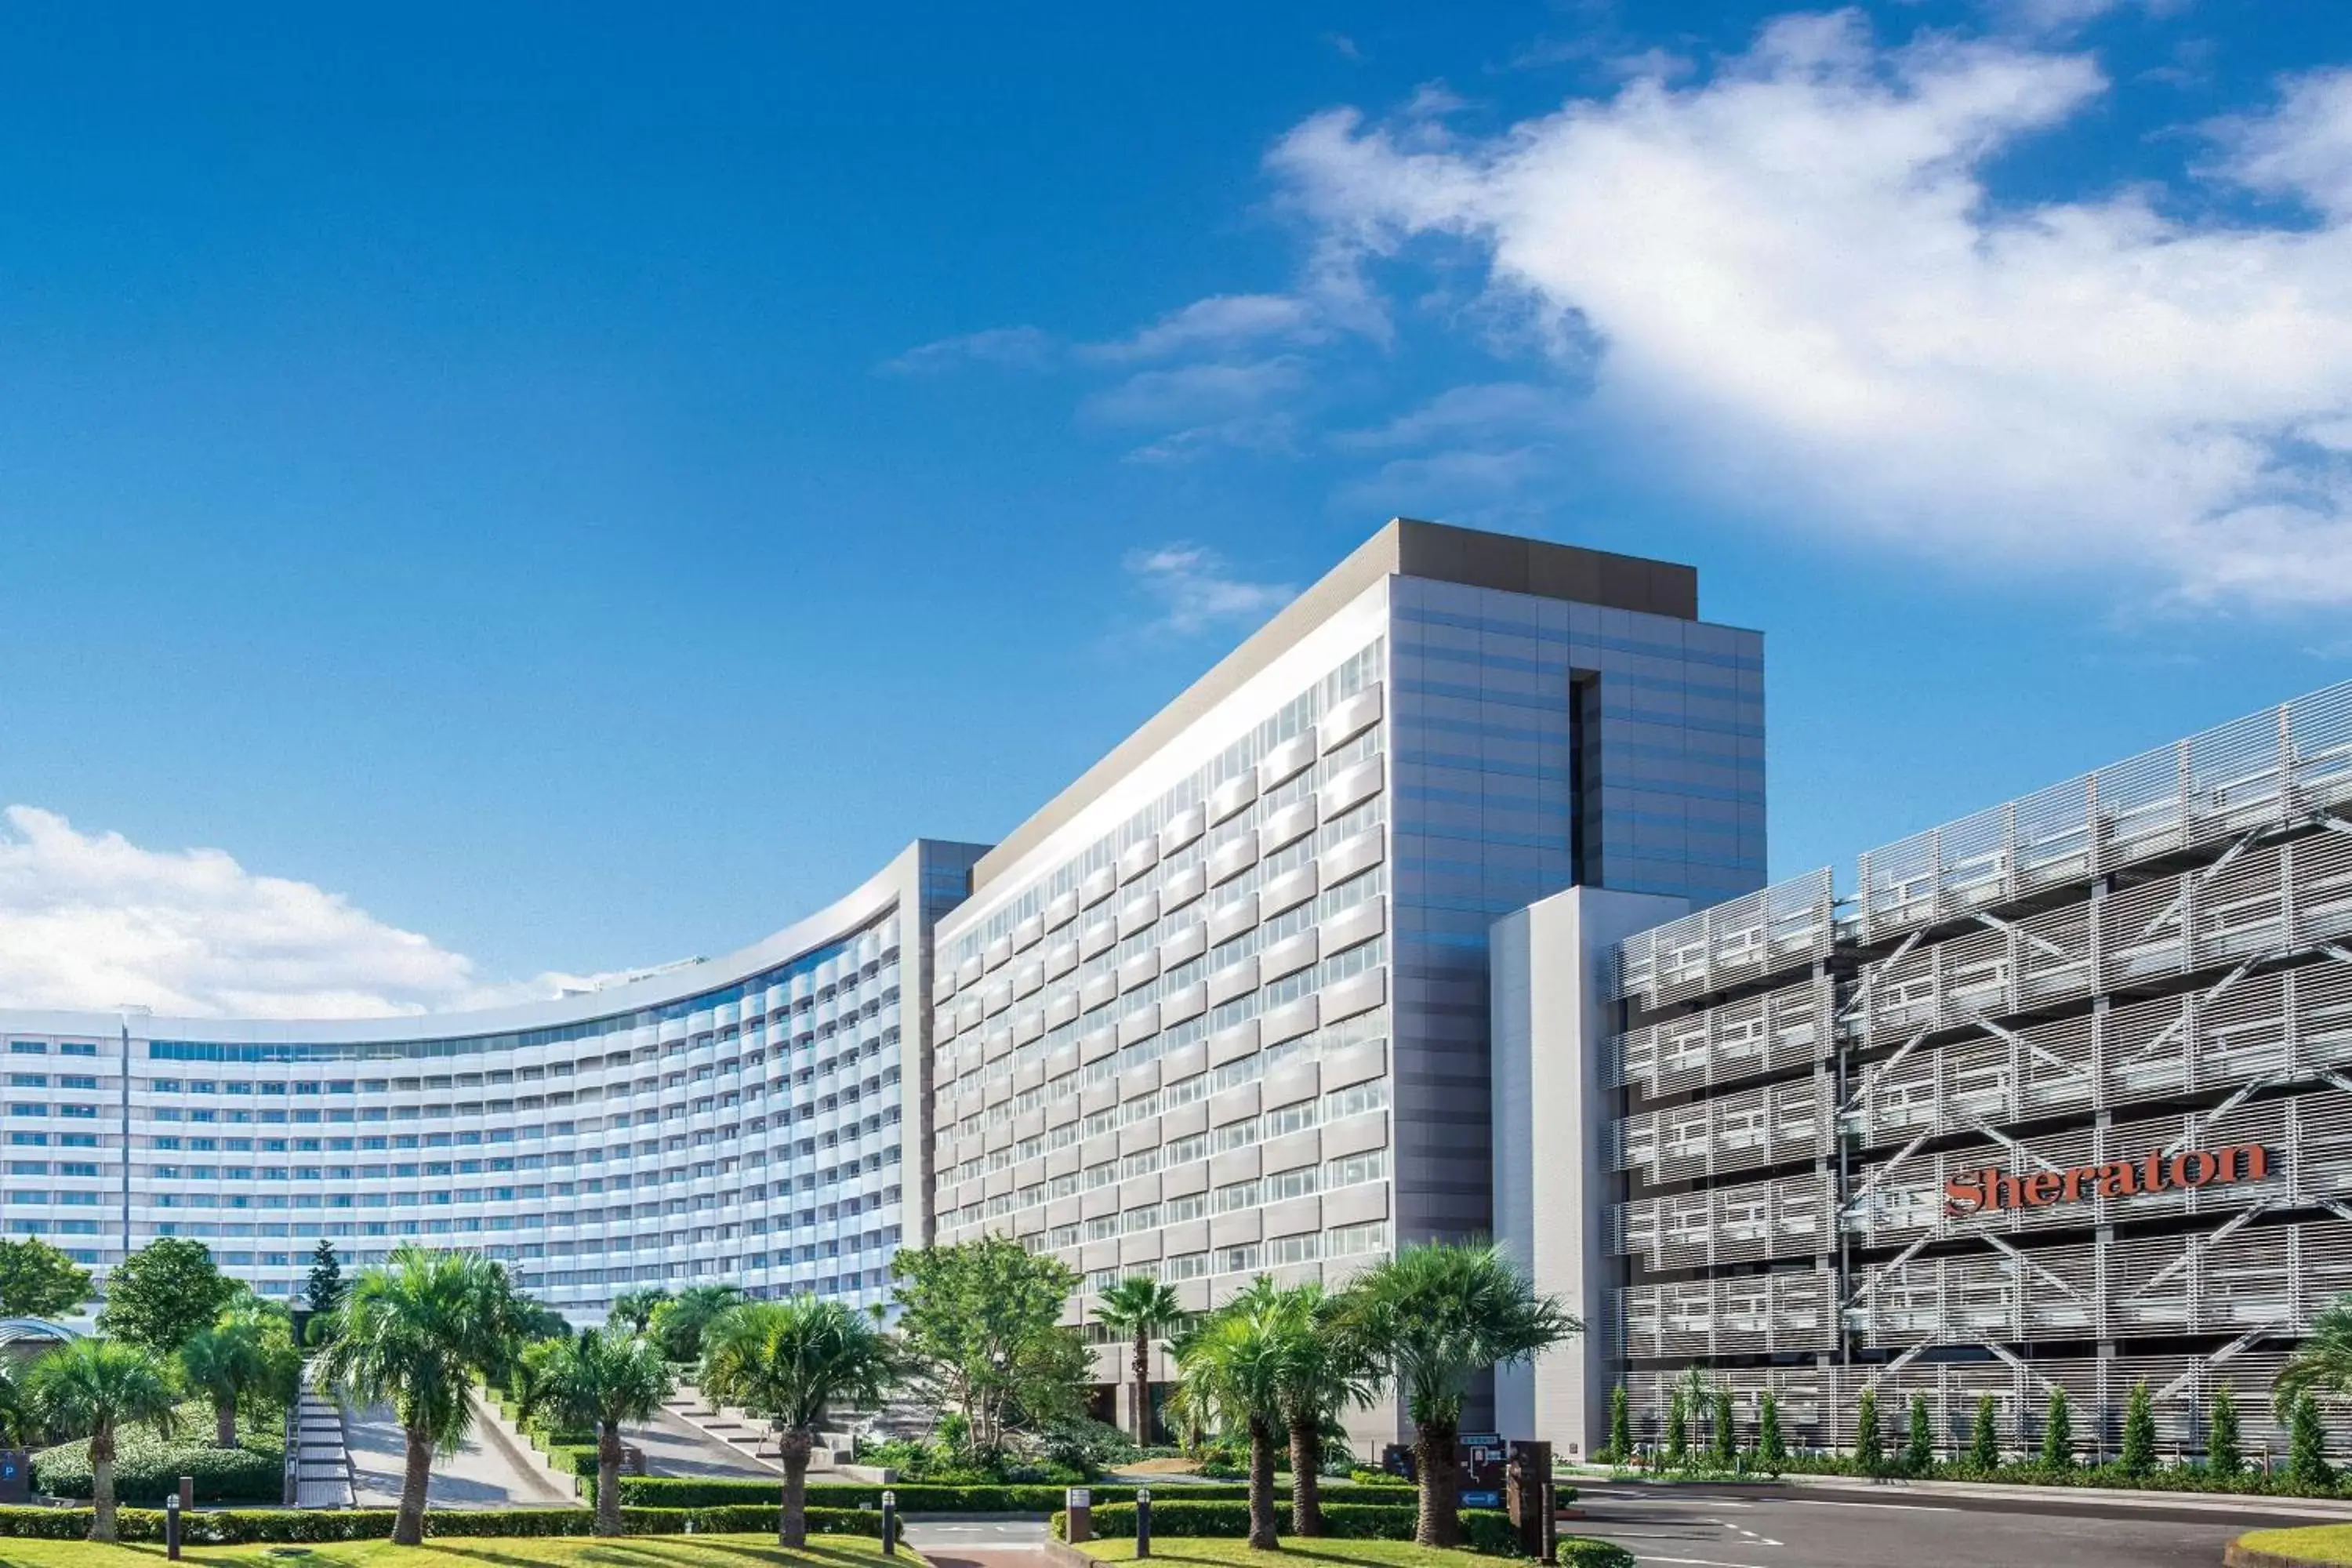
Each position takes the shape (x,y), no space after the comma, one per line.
(583,484)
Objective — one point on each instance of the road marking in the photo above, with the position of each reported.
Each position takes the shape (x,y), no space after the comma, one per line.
(1670,1502)
(1907,1507)
(1699,1561)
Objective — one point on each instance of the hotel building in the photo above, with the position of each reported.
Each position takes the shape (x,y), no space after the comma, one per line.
(1220,1008)
(2053,1096)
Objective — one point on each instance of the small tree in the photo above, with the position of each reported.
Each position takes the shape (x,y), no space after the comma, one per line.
(2138,1456)
(1725,1451)
(634,1309)
(1621,1427)
(599,1380)
(2058,1433)
(1230,1372)
(1771,1448)
(981,1322)
(96,1387)
(678,1325)
(325,1290)
(790,1361)
(1919,1452)
(37,1280)
(1869,1453)
(160,1295)
(2306,1439)
(1984,1439)
(1678,1430)
(1143,1310)
(1432,1318)
(2222,1452)
(231,1363)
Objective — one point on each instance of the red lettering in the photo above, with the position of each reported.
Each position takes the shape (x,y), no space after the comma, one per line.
(2152,1173)
(2118,1179)
(2041,1188)
(2196,1168)
(2075,1180)
(1964,1196)
(2007,1192)
(2245,1163)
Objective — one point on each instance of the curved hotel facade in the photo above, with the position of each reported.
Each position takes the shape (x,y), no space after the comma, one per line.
(755,1119)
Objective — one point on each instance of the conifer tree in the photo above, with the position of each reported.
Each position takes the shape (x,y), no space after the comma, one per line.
(1920,1453)
(2138,1455)
(1771,1449)
(2306,1450)
(1869,1453)
(1621,1427)
(2221,1454)
(2058,1433)
(1984,1439)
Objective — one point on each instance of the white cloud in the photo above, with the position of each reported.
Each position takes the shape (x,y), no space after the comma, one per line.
(1220,322)
(1484,409)
(1016,348)
(92,921)
(1196,589)
(1803,292)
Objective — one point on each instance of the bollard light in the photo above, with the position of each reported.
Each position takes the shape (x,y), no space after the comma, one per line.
(171,1527)
(889,1524)
(1143,1521)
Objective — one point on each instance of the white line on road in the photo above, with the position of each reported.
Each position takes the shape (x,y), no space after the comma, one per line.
(1699,1561)
(1907,1507)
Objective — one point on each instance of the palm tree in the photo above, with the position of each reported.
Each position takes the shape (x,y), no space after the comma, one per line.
(678,1325)
(634,1309)
(2324,1363)
(1230,1370)
(788,1361)
(602,1378)
(1432,1317)
(94,1387)
(225,1364)
(1324,1373)
(1144,1309)
(413,1334)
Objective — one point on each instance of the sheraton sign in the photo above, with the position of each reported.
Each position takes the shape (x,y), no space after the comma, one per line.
(1992,1188)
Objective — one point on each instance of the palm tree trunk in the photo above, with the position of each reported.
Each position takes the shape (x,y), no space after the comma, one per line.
(1142,1388)
(792,1522)
(416,1471)
(1440,1523)
(608,1478)
(225,1423)
(1306,1479)
(101,1483)
(1261,1486)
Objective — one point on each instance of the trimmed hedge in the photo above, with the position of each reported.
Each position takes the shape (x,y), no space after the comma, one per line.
(1484,1530)
(232,1527)
(679,1491)
(147,1466)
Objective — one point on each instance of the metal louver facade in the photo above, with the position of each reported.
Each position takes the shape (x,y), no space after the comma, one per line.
(2057,1001)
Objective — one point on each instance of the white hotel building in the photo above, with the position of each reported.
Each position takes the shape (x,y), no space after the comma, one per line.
(1220,1007)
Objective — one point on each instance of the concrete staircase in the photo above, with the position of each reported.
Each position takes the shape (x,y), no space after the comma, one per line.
(322,1461)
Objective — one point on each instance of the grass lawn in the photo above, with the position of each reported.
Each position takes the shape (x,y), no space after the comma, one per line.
(2319,1543)
(476,1551)
(1228,1554)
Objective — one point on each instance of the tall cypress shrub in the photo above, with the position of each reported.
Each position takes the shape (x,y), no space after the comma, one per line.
(2058,1433)
(2307,1446)
(1920,1453)
(1869,1454)
(1771,1449)
(2138,1455)
(2223,1457)
(1984,1439)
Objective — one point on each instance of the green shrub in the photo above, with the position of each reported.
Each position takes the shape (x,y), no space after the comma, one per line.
(232,1527)
(914,1497)
(147,1466)
(1364,1477)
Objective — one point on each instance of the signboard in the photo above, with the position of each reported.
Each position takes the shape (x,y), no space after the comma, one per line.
(1992,1189)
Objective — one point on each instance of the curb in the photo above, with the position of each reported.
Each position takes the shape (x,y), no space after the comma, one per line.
(2237,1556)
(1062,1555)
(2318,1509)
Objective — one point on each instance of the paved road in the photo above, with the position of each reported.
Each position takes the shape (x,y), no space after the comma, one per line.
(477,1474)
(979,1542)
(1690,1528)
